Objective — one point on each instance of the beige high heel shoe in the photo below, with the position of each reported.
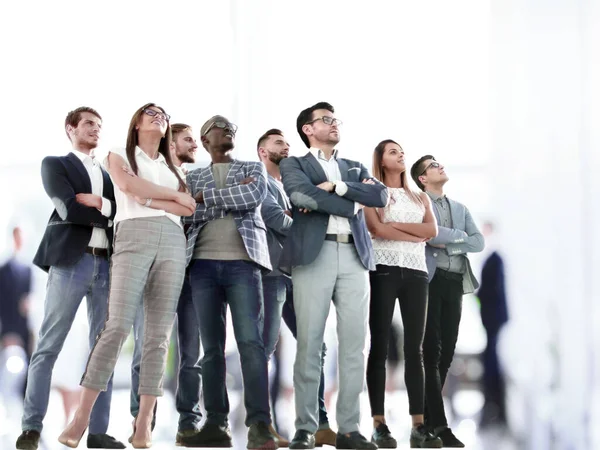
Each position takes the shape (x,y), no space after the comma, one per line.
(138,443)
(72,443)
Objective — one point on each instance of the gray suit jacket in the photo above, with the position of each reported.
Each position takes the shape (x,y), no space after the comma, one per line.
(241,200)
(307,234)
(278,223)
(464,238)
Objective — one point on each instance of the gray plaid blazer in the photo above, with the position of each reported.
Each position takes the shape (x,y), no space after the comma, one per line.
(241,200)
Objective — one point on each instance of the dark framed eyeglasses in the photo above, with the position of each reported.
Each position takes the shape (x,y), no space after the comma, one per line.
(327,120)
(222,124)
(434,165)
(153,113)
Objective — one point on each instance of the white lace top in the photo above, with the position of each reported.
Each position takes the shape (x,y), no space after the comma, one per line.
(401,253)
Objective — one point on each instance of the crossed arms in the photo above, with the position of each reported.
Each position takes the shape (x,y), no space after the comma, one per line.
(306,196)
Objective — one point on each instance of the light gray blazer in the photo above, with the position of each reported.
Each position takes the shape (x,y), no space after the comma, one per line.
(464,238)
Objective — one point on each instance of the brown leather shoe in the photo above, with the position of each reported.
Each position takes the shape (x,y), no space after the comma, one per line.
(325,436)
(279,439)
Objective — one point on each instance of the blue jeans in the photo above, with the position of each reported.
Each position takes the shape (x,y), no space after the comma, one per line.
(188,388)
(67,285)
(215,284)
(279,303)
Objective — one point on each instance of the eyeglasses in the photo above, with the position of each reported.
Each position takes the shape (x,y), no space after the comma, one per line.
(222,124)
(434,165)
(327,120)
(153,113)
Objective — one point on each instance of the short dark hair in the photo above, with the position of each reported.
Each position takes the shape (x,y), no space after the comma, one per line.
(264,137)
(307,115)
(417,170)
(73,117)
(177,128)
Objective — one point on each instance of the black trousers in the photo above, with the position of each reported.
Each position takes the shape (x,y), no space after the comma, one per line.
(409,286)
(441,333)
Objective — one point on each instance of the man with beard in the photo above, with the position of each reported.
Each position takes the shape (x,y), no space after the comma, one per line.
(187,401)
(329,252)
(227,248)
(75,251)
(277,286)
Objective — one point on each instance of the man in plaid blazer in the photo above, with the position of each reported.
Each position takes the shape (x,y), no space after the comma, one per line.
(227,251)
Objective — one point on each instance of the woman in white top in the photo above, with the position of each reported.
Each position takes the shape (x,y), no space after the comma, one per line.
(399,232)
(148,265)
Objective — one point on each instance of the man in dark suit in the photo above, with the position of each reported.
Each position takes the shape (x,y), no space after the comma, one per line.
(15,286)
(272,148)
(227,247)
(329,254)
(74,251)
(494,315)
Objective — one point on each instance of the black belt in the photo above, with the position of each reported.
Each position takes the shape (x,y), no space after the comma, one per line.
(97,251)
(340,238)
(449,275)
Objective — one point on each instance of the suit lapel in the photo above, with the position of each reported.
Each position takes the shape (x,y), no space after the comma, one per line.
(233,169)
(106,183)
(207,179)
(82,171)
(320,173)
(343,165)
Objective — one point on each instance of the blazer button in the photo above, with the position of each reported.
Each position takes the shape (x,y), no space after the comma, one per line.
(435,255)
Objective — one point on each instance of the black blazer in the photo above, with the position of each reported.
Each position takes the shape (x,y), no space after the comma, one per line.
(69,229)
(306,236)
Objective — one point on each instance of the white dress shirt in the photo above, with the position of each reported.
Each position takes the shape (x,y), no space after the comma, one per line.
(99,239)
(337,224)
(153,170)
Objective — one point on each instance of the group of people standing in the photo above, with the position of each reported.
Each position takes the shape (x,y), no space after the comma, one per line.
(280,238)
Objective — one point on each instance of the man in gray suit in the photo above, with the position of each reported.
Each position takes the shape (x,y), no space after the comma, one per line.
(272,148)
(329,253)
(450,277)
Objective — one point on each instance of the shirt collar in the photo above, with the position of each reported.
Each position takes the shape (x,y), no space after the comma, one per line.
(82,156)
(435,197)
(159,158)
(318,153)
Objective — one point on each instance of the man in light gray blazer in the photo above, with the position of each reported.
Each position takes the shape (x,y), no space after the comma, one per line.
(450,277)
(329,253)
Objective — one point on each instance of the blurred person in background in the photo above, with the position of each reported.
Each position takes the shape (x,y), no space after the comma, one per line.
(399,232)
(329,254)
(227,251)
(187,400)
(74,251)
(450,277)
(494,314)
(272,148)
(147,268)
(15,287)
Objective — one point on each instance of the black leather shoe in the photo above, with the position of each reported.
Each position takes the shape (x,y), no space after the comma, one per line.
(448,439)
(383,437)
(103,441)
(353,440)
(421,437)
(28,440)
(210,435)
(303,439)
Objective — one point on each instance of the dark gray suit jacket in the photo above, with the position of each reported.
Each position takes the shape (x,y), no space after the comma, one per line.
(307,234)
(278,223)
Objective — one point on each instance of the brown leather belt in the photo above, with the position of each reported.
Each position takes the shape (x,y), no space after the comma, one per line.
(340,238)
(102,252)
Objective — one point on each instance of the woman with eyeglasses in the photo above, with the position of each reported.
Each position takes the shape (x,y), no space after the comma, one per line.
(399,232)
(147,266)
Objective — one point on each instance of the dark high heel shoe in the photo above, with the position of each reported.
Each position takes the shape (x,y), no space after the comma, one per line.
(139,443)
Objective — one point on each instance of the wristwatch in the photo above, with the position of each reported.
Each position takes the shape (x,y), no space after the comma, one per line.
(334,186)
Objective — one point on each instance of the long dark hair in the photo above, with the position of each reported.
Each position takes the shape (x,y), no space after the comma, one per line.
(379,173)
(163,147)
